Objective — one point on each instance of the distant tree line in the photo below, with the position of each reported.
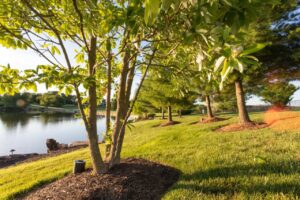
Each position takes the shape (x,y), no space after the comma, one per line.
(19,101)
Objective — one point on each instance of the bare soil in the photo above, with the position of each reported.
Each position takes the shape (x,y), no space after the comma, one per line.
(241,127)
(135,179)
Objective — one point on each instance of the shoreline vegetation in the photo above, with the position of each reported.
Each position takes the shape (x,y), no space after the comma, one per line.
(16,159)
(210,162)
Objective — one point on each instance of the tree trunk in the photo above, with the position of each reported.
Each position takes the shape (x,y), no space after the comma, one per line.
(208,107)
(120,108)
(127,105)
(108,104)
(162,113)
(240,98)
(97,162)
(179,113)
(170,114)
(115,156)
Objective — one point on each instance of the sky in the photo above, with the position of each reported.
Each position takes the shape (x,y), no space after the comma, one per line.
(28,59)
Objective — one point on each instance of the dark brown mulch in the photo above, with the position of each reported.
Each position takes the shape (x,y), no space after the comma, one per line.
(169,123)
(135,179)
(6,161)
(241,127)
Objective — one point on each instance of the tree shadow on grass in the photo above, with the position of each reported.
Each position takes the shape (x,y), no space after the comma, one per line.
(240,178)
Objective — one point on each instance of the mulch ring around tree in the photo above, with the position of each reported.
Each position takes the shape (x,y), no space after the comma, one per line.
(241,127)
(171,123)
(210,120)
(131,179)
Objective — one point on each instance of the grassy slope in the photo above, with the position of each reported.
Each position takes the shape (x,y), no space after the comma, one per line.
(257,164)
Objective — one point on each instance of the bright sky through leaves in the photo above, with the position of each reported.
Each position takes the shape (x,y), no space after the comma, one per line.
(25,59)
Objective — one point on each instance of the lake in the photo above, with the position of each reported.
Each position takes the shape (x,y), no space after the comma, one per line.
(28,133)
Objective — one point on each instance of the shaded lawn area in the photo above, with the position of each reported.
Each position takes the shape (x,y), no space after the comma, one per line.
(256,164)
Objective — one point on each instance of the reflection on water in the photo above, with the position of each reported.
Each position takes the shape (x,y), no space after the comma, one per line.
(11,121)
(28,133)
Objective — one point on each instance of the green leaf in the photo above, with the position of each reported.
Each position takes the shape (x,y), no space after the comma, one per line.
(254,49)
(239,65)
(55,50)
(152,8)
(225,67)
(218,63)
(166,4)
(79,57)
(68,90)
(252,58)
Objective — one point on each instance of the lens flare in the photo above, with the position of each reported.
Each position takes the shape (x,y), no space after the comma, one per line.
(282,118)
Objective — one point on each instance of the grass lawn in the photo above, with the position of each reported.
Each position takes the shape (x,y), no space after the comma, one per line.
(256,164)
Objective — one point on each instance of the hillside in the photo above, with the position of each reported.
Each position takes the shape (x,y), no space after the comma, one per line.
(256,164)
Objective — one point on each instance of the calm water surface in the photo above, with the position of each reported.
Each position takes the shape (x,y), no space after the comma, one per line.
(28,133)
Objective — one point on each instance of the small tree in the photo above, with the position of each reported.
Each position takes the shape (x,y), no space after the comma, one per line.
(278,93)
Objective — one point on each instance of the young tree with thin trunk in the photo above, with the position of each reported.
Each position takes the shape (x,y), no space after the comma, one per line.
(162,113)
(236,61)
(80,26)
(208,107)
(170,119)
(48,32)
(108,100)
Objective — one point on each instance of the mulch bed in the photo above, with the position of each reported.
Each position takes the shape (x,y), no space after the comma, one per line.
(241,127)
(6,161)
(169,123)
(135,179)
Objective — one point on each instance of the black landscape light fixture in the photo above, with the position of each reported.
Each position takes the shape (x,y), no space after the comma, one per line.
(79,166)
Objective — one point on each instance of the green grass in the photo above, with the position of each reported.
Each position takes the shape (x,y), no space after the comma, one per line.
(256,164)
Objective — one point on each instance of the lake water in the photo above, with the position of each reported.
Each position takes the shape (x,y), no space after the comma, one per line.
(28,133)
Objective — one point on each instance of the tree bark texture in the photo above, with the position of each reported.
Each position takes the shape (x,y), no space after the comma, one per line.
(240,98)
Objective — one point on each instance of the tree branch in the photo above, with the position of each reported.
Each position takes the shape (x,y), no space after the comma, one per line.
(81,108)
(34,48)
(137,92)
(81,24)
(55,31)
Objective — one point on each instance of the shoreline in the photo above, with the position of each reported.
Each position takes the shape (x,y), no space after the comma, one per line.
(12,160)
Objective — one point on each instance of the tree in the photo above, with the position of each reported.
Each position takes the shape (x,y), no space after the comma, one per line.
(159,91)
(120,35)
(225,99)
(143,107)
(281,59)
(205,82)
(89,26)
(51,99)
(31,24)
(165,88)
(278,93)
(230,38)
